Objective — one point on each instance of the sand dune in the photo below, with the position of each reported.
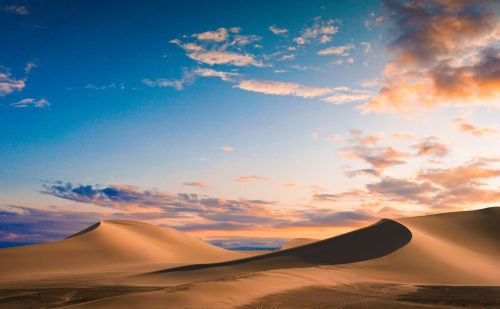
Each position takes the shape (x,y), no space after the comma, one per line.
(297,242)
(449,248)
(379,266)
(109,246)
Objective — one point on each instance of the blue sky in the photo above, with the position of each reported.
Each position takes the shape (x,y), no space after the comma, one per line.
(311,107)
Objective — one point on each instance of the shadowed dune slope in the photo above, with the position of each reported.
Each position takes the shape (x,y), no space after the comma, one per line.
(297,242)
(450,248)
(367,243)
(107,246)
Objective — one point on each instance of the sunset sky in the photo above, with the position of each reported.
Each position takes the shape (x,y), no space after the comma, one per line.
(245,123)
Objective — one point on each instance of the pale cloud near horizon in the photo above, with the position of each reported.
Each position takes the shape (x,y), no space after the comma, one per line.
(198,184)
(249,179)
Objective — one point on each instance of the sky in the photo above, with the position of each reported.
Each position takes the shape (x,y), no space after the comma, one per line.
(245,124)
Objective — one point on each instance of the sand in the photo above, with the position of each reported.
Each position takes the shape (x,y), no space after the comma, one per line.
(438,261)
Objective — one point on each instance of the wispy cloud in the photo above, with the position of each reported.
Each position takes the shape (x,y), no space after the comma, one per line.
(342,50)
(249,179)
(463,125)
(277,30)
(284,88)
(38,103)
(197,184)
(16,9)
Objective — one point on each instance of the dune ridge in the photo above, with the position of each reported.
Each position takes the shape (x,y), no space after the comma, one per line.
(110,245)
(297,242)
(374,241)
(448,248)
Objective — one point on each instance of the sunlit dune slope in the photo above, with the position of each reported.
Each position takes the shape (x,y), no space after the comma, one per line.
(297,242)
(107,246)
(367,243)
(449,248)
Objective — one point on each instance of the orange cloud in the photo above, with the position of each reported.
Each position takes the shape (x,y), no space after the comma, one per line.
(430,146)
(197,184)
(363,147)
(249,179)
(446,54)
(464,126)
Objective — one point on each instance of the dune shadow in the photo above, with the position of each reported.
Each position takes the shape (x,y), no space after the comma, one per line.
(367,243)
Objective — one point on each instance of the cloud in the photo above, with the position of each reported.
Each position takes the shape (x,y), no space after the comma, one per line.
(463,125)
(8,83)
(284,88)
(459,176)
(365,148)
(38,103)
(403,190)
(227,148)
(400,136)
(430,146)
(278,31)
(218,35)
(29,67)
(224,57)
(197,184)
(446,54)
(336,50)
(220,47)
(188,77)
(23,225)
(321,31)
(162,82)
(16,9)
(452,188)
(249,179)
(342,98)
(225,76)
(290,186)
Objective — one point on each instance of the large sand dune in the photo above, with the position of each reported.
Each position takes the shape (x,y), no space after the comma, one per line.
(367,243)
(109,246)
(450,248)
